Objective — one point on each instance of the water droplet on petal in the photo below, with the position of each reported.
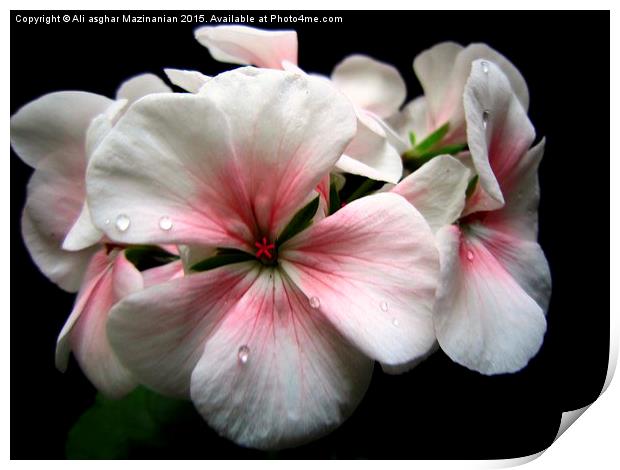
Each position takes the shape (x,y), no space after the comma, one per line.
(243,354)
(122,222)
(106,221)
(485,118)
(315,302)
(485,66)
(384,306)
(470,255)
(165,223)
(395,322)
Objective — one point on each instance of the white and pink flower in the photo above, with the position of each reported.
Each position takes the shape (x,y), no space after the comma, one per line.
(276,348)
(495,283)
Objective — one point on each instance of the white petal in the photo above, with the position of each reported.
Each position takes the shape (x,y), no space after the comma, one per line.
(275,373)
(371,268)
(189,80)
(372,85)
(54,201)
(140,86)
(249,46)
(55,124)
(499,132)
(370,153)
(83,233)
(484,320)
(437,190)
(412,118)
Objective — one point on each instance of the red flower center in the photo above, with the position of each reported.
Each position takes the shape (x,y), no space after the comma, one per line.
(265,249)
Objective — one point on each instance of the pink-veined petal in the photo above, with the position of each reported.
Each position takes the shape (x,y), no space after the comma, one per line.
(244,45)
(484,320)
(160,274)
(190,80)
(160,332)
(371,269)
(372,85)
(140,86)
(275,373)
(55,125)
(227,166)
(370,153)
(437,190)
(499,132)
(107,281)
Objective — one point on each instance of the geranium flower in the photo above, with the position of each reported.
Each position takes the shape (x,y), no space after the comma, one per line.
(56,134)
(443,71)
(276,347)
(495,281)
(375,88)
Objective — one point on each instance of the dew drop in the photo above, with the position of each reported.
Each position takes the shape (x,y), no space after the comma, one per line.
(395,322)
(243,354)
(165,223)
(384,305)
(485,66)
(485,118)
(470,255)
(122,222)
(106,221)
(315,302)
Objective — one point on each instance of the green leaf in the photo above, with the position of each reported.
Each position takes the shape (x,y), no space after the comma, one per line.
(334,198)
(471,186)
(412,138)
(432,139)
(111,429)
(223,257)
(148,256)
(299,222)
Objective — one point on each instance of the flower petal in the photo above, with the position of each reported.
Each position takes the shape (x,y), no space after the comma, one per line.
(55,124)
(85,330)
(443,71)
(140,86)
(370,153)
(484,320)
(160,274)
(437,190)
(249,46)
(372,85)
(253,143)
(83,233)
(371,269)
(275,373)
(434,69)
(412,118)
(54,201)
(160,332)
(189,80)
(499,132)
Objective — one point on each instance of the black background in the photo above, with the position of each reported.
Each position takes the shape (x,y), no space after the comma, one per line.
(439,410)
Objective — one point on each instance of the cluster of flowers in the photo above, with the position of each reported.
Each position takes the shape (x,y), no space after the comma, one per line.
(213,256)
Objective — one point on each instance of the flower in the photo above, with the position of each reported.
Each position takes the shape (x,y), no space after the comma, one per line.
(376,89)
(56,134)
(276,347)
(495,283)
(443,71)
